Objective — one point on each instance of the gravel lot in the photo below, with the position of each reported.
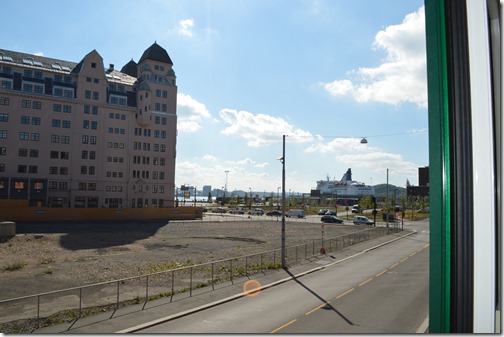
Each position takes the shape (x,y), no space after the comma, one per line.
(59,256)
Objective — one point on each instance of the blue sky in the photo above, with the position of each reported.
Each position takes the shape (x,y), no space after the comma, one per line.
(324,73)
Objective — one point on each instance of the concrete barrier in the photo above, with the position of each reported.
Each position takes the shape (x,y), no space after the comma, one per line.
(7,229)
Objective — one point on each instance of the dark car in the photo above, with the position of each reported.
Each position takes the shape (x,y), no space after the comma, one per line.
(331,219)
(322,211)
(274,213)
(331,213)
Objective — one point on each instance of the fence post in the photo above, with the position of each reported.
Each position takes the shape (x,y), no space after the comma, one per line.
(172,284)
(231,270)
(117,300)
(146,291)
(190,282)
(80,302)
(213,287)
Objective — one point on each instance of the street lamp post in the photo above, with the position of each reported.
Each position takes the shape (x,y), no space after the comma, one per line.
(225,188)
(284,262)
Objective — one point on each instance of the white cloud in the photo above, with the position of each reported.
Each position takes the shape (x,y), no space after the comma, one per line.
(190,113)
(338,145)
(185,27)
(379,162)
(209,157)
(402,77)
(260,130)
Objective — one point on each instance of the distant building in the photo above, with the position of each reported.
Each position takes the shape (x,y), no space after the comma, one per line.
(85,136)
(423,184)
(206,189)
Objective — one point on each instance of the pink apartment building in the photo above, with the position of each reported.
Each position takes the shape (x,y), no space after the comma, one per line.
(85,136)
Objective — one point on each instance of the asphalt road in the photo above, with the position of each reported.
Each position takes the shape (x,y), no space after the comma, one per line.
(382,291)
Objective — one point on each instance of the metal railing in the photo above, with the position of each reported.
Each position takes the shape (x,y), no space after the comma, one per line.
(73,303)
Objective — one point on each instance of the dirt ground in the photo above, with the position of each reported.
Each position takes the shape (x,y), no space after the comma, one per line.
(46,257)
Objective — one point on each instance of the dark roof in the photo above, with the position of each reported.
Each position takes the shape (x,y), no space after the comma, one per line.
(54,65)
(156,53)
(43,62)
(130,68)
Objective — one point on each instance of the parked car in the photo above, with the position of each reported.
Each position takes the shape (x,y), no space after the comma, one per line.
(295,212)
(331,219)
(356,209)
(362,220)
(237,210)
(219,210)
(257,211)
(274,213)
(322,211)
(331,213)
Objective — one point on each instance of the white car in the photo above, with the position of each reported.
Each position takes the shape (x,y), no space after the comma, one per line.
(362,220)
(299,213)
(257,211)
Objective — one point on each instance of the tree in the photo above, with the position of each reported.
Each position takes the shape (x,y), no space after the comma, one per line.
(271,199)
(366,202)
(210,199)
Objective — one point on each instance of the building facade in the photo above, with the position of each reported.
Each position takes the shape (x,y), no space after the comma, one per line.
(85,136)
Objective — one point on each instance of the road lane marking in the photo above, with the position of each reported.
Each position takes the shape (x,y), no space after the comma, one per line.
(283,326)
(363,283)
(317,308)
(404,259)
(383,272)
(346,292)
(394,265)
(412,254)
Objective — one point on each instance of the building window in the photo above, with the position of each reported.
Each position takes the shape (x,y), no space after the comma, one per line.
(58,92)
(93,140)
(4,101)
(96,95)
(25,119)
(84,154)
(83,169)
(26,103)
(87,109)
(92,170)
(80,202)
(54,154)
(85,124)
(85,139)
(37,105)
(35,120)
(65,155)
(87,94)
(35,136)
(65,139)
(92,155)
(65,124)
(82,186)
(63,185)
(63,171)
(53,170)
(56,123)
(27,87)
(67,108)
(32,169)
(34,153)
(3,151)
(24,136)
(94,125)
(22,169)
(57,107)
(3,134)
(23,153)
(55,139)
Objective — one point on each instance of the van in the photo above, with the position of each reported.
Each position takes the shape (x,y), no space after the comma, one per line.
(237,210)
(296,213)
(362,220)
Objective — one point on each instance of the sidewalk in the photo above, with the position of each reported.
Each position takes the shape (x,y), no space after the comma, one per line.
(132,318)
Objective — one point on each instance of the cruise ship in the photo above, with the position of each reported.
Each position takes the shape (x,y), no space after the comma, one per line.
(344,188)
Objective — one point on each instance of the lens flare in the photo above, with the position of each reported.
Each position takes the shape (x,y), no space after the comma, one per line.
(252,288)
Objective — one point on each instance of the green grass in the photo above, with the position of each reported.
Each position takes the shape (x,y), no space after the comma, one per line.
(14,266)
